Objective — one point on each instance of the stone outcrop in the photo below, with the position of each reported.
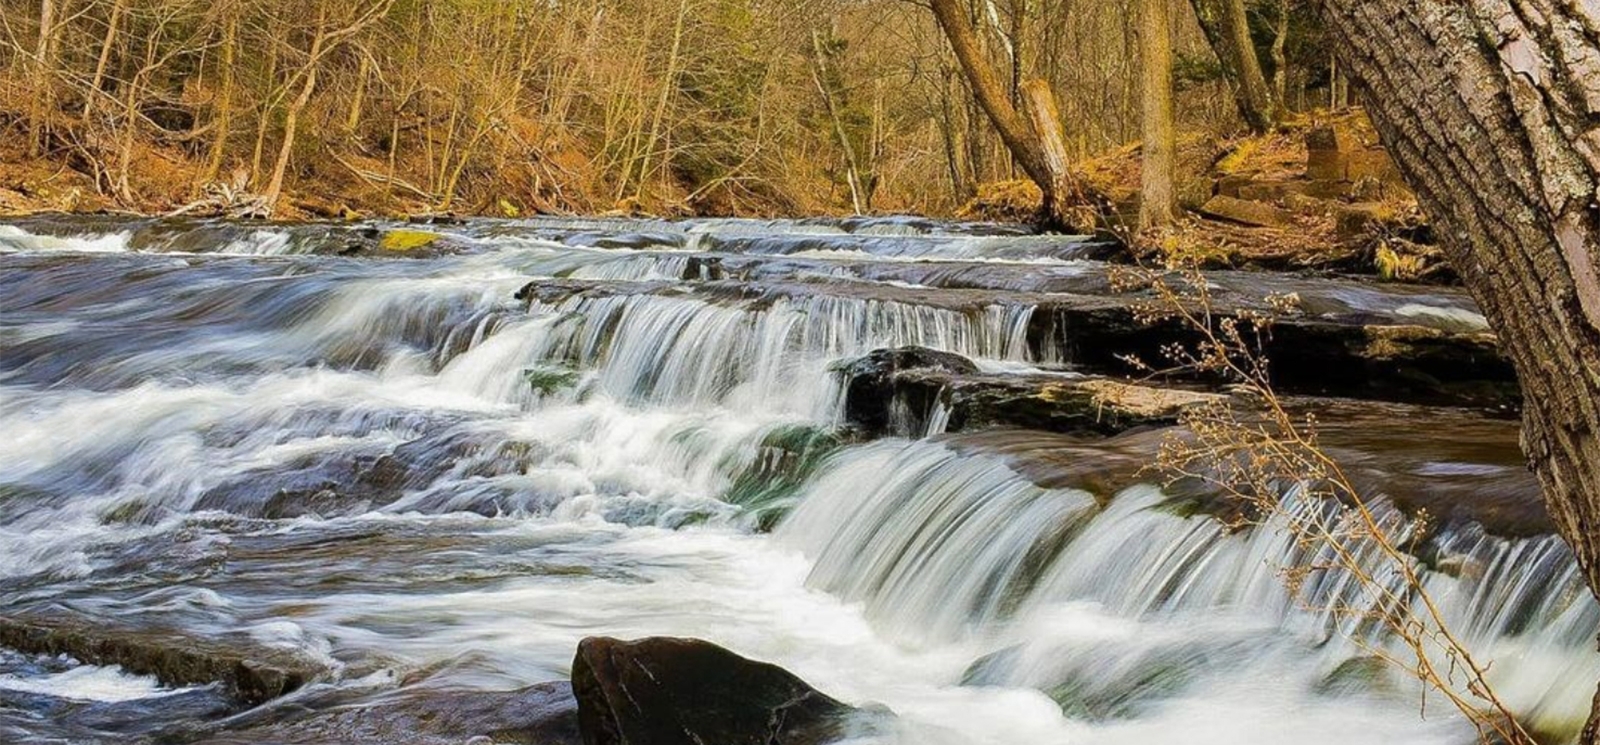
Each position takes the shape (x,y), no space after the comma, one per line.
(1387,357)
(885,398)
(874,381)
(1245,211)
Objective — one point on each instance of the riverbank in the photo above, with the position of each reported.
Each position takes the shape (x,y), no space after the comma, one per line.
(1319,194)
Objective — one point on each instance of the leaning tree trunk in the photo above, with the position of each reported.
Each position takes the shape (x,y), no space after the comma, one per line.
(1492,110)
(1227,29)
(1026,145)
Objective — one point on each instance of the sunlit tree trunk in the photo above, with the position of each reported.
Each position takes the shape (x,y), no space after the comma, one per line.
(291,120)
(224,106)
(1489,108)
(106,45)
(1158,204)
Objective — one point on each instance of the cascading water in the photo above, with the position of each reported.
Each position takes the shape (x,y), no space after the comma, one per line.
(391,466)
(1092,604)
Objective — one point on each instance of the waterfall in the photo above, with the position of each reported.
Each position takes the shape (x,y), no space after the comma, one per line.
(940,545)
(450,465)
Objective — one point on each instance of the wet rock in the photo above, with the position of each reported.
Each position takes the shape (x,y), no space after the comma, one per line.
(1309,356)
(34,717)
(546,714)
(667,691)
(1053,403)
(787,458)
(873,382)
(248,673)
(1468,470)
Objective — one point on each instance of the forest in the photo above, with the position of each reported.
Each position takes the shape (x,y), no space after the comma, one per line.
(699,107)
(799,372)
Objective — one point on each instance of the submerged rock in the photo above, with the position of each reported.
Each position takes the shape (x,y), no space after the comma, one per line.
(545,714)
(248,673)
(668,691)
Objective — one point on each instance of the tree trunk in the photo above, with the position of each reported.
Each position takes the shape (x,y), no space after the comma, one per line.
(1158,203)
(1489,108)
(1019,138)
(106,45)
(224,107)
(291,122)
(43,71)
(1227,28)
(852,165)
(1046,117)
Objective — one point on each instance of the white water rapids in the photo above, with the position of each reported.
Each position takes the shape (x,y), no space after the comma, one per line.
(391,464)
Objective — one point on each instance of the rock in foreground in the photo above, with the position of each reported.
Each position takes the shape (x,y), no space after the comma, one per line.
(667,691)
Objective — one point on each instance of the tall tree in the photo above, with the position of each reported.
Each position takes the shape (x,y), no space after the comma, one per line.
(1227,28)
(1158,203)
(1489,108)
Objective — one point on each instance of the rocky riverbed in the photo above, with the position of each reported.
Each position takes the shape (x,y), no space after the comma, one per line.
(379,483)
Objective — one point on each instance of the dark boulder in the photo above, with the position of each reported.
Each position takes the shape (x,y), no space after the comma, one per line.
(871,382)
(667,691)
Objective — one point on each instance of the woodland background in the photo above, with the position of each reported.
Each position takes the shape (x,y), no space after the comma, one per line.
(746,107)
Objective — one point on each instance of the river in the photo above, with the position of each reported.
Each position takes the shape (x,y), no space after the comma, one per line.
(444,467)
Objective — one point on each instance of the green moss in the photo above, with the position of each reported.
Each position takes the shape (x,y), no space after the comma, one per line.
(1234,161)
(549,379)
(786,458)
(407,240)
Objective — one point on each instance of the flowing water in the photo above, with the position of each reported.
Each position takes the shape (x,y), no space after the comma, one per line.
(396,468)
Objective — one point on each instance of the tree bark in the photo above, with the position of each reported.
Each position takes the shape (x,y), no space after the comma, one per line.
(224,107)
(1020,139)
(1490,108)
(1046,117)
(1158,203)
(1227,28)
(852,165)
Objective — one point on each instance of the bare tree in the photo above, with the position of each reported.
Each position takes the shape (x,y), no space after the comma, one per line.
(43,84)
